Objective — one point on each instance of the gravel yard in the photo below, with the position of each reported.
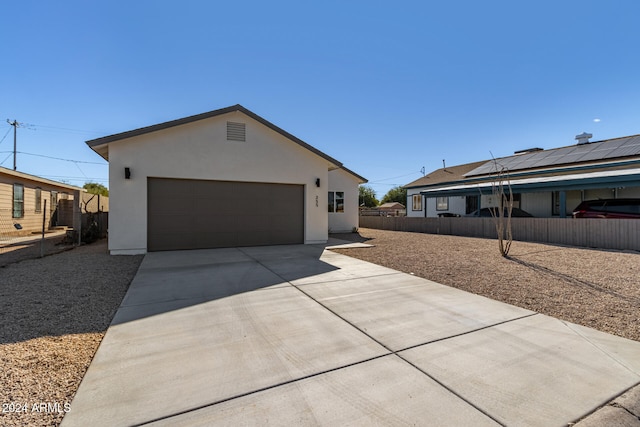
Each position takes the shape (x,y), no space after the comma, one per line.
(595,288)
(54,312)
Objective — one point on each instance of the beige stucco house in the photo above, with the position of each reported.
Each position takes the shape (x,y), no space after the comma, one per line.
(223,178)
(25,200)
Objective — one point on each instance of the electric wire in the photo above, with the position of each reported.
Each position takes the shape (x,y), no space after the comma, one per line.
(380,181)
(6,158)
(61,129)
(58,158)
(5,135)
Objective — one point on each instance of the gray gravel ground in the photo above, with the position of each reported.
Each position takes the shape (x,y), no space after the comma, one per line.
(54,312)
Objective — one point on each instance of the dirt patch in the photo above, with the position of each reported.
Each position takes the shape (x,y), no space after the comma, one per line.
(54,312)
(595,288)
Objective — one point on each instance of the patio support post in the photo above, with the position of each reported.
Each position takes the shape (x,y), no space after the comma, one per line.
(563,204)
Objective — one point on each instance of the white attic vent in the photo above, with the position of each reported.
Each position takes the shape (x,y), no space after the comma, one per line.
(236,131)
(583,138)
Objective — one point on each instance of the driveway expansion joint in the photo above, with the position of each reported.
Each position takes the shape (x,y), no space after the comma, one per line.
(248,393)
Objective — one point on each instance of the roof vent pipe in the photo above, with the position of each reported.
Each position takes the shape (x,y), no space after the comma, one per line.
(583,138)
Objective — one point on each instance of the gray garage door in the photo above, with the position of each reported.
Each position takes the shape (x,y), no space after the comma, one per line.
(197,214)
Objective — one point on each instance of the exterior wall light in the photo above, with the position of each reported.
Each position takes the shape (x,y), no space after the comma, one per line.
(127,173)
(317,182)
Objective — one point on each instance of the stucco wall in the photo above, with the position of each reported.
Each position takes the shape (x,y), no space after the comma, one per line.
(199,150)
(339,222)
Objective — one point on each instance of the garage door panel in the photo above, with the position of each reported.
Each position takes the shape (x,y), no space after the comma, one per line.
(223,239)
(215,223)
(288,237)
(174,207)
(281,222)
(190,214)
(171,188)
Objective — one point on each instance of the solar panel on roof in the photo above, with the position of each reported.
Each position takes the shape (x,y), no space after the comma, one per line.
(615,148)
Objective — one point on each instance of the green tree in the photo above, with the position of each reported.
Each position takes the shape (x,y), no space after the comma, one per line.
(396,194)
(367,196)
(95,188)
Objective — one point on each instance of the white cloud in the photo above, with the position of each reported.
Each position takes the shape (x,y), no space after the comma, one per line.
(596,120)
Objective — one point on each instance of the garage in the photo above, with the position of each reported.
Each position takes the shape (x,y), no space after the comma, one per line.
(224,178)
(200,214)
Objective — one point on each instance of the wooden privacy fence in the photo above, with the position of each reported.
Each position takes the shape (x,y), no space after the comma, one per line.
(619,234)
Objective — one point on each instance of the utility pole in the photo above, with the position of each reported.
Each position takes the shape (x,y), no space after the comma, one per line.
(15,125)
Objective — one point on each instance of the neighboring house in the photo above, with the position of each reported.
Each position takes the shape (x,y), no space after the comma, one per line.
(223,178)
(26,199)
(545,183)
(392,208)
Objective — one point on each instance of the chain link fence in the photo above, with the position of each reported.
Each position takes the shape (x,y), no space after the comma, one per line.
(34,233)
(29,234)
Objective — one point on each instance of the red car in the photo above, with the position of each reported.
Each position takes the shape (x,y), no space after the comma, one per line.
(608,208)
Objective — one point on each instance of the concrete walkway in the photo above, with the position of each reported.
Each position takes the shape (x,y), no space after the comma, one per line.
(299,335)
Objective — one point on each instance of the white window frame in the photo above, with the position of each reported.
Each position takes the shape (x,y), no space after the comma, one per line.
(442,203)
(416,202)
(38,201)
(336,202)
(18,202)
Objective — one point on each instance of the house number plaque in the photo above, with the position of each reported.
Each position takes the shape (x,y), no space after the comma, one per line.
(316,201)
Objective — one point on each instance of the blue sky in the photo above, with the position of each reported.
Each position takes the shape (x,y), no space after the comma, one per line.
(386,88)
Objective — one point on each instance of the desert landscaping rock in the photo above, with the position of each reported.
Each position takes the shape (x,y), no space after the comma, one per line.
(54,312)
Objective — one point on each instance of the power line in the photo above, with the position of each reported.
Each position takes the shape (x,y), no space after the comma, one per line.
(58,158)
(6,158)
(56,128)
(5,135)
(75,178)
(380,181)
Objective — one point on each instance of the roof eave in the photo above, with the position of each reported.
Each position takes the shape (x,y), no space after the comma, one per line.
(39,179)
(100,145)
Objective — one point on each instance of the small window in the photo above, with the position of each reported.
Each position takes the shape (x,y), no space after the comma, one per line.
(38,206)
(416,202)
(236,131)
(336,201)
(18,200)
(339,201)
(442,203)
(53,204)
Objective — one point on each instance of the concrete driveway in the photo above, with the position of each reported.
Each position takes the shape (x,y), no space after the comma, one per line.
(300,335)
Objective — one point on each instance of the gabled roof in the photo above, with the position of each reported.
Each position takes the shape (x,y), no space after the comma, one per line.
(391,205)
(607,156)
(37,179)
(447,174)
(96,143)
